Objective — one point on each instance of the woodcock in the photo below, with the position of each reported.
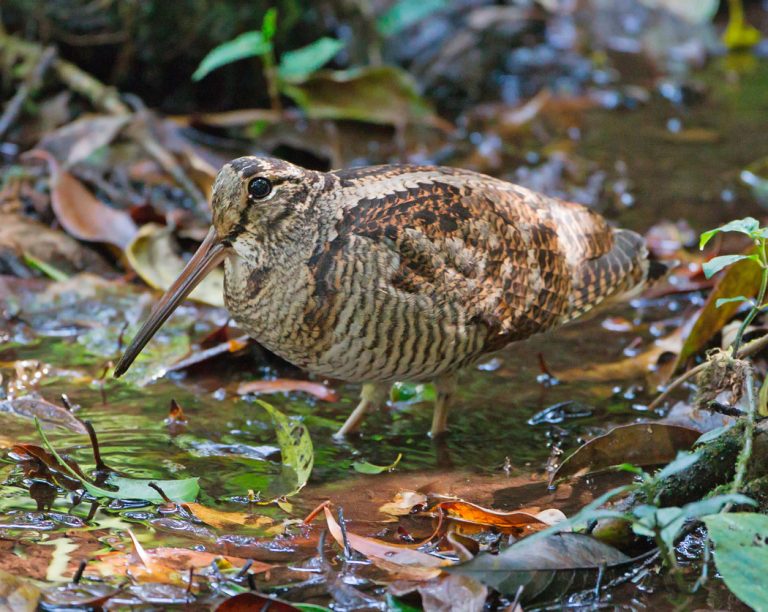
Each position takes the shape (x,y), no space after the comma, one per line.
(399,273)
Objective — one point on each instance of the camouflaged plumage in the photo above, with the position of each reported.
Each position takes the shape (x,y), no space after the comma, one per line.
(409,272)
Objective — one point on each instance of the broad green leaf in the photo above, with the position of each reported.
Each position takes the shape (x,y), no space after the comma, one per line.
(369,468)
(398,605)
(184,490)
(381,94)
(714,265)
(741,554)
(250,44)
(713,434)
(295,66)
(295,449)
(743,278)
(723,301)
(747,225)
(405,13)
(269,24)
(682,462)
(547,567)
(153,257)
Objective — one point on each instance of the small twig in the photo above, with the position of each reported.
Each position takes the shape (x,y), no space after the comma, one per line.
(35,77)
(344,538)
(79,573)
(244,570)
(157,488)
(191,580)
(675,384)
(312,515)
(100,465)
(66,402)
(749,431)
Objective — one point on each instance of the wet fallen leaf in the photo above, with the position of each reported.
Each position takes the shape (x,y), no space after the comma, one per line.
(227,520)
(446,593)
(284,385)
(81,213)
(641,444)
(244,602)
(642,364)
(164,565)
(404,503)
(742,278)
(364,467)
(403,561)
(520,521)
(17,594)
(77,140)
(296,451)
(546,567)
(152,255)
(380,94)
(50,414)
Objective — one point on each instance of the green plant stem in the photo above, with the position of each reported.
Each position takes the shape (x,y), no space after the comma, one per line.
(273,84)
(755,309)
(749,430)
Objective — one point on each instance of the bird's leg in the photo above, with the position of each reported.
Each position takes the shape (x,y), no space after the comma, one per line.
(373,396)
(445,387)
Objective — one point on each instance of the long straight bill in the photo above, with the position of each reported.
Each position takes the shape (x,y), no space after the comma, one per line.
(207,257)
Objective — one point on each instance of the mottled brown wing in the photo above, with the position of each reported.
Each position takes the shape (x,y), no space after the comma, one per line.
(513,260)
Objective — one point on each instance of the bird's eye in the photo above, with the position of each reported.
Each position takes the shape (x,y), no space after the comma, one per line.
(259,188)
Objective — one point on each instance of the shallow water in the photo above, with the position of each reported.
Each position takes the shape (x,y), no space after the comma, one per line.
(492,455)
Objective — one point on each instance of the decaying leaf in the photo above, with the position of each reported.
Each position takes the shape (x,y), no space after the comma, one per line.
(77,140)
(642,444)
(380,94)
(742,278)
(546,567)
(255,601)
(446,593)
(164,565)
(296,451)
(17,594)
(520,522)
(285,385)
(404,503)
(48,413)
(403,561)
(363,467)
(227,520)
(81,213)
(152,255)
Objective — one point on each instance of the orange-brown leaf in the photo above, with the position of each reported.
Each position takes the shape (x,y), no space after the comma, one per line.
(227,520)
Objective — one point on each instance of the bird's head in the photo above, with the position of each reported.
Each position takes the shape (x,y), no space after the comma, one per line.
(257,203)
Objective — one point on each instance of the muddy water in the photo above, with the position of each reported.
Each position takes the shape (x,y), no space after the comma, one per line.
(493,454)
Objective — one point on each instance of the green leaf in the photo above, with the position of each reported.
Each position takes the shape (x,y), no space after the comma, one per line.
(722,301)
(398,605)
(413,392)
(250,44)
(295,449)
(49,270)
(184,490)
(682,462)
(369,468)
(405,13)
(713,434)
(384,95)
(269,24)
(295,66)
(741,554)
(714,265)
(748,225)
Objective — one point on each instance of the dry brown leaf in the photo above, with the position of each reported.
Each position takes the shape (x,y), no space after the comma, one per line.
(81,213)
(285,385)
(404,503)
(521,522)
(227,520)
(77,140)
(403,561)
(51,414)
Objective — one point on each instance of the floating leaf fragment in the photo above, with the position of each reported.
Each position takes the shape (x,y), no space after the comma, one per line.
(369,468)
(522,522)
(404,503)
(285,385)
(227,520)
(48,413)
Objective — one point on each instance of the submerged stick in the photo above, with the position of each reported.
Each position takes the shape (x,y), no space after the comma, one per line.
(31,83)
